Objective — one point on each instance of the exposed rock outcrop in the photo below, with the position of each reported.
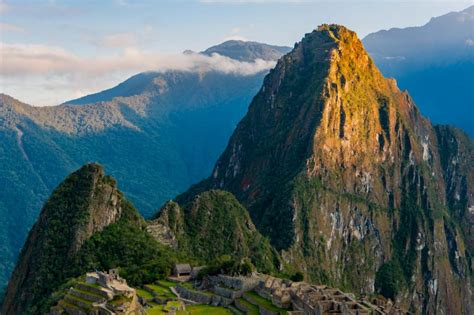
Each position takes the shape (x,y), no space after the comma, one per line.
(101,293)
(339,169)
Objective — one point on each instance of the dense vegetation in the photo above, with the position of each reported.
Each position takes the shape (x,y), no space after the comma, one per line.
(70,239)
(126,246)
(214,224)
(155,147)
(228,266)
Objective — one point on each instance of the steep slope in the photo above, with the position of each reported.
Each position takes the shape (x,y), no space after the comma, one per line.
(422,58)
(337,166)
(213,224)
(456,151)
(157,133)
(84,212)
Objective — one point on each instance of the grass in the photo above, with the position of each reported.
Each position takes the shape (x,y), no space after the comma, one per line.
(264,302)
(89,294)
(119,299)
(190,287)
(78,298)
(170,305)
(161,291)
(207,310)
(164,309)
(252,309)
(144,294)
(167,284)
(156,310)
(187,285)
(73,306)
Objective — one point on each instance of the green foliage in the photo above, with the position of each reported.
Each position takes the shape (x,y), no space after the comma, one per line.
(174,145)
(123,245)
(297,276)
(229,266)
(389,279)
(51,256)
(216,224)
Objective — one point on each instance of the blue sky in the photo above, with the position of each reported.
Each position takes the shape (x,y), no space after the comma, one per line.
(52,51)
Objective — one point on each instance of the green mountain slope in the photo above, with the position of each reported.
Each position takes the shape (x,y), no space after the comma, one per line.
(157,133)
(86,224)
(214,224)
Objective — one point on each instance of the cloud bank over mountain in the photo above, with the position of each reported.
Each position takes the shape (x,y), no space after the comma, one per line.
(70,73)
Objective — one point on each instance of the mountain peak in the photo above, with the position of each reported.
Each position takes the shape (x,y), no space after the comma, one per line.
(247,51)
(86,202)
(328,160)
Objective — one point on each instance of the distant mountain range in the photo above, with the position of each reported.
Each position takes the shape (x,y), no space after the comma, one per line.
(157,133)
(435,63)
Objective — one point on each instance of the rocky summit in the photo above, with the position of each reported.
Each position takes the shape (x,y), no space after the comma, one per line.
(340,170)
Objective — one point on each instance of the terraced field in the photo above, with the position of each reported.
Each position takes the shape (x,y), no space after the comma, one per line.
(253,298)
(207,310)
(190,310)
(144,294)
(160,291)
(251,309)
(159,309)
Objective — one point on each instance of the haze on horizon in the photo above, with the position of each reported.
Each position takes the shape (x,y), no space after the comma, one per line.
(53,51)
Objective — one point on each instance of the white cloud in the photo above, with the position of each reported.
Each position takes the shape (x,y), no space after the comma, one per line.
(5,27)
(236,37)
(21,59)
(48,68)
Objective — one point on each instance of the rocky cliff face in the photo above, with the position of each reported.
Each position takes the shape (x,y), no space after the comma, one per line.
(456,151)
(337,166)
(85,203)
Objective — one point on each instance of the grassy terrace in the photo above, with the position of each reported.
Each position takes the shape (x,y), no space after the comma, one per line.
(252,309)
(144,294)
(264,302)
(118,300)
(167,284)
(158,309)
(190,287)
(77,298)
(89,293)
(73,306)
(207,310)
(160,291)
